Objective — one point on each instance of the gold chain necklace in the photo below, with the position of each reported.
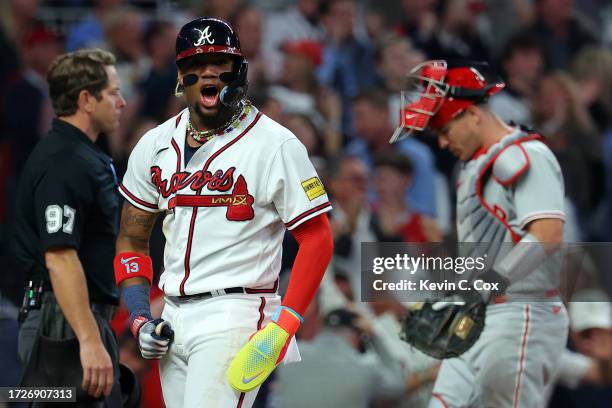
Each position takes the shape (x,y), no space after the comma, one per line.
(203,136)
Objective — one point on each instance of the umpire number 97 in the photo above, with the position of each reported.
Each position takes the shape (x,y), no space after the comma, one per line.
(55,215)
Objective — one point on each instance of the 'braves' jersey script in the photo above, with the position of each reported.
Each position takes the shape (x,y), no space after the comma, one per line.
(227,209)
(500,191)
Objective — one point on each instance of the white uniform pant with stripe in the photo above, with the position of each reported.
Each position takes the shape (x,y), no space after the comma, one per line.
(207,335)
(512,361)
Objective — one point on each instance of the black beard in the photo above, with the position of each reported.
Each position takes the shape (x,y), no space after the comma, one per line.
(211,121)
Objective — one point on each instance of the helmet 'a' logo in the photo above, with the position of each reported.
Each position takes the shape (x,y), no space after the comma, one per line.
(205,37)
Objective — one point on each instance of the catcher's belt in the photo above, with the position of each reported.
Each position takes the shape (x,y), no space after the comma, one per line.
(449,331)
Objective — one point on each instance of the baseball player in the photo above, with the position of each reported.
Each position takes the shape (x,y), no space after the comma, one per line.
(510,191)
(230,181)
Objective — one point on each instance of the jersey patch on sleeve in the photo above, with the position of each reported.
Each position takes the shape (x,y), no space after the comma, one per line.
(313,188)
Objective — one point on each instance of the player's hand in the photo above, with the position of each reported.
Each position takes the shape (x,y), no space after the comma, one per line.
(97,368)
(154,339)
(263,352)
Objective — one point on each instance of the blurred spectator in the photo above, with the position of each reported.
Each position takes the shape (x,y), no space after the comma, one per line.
(372,124)
(560,32)
(522,64)
(591,324)
(348,62)
(298,92)
(155,100)
(458,36)
(221,9)
(268,104)
(375,25)
(607,150)
(90,31)
(124,29)
(395,57)
(248,23)
(351,218)
(393,220)
(299,22)
(330,107)
(592,70)
(17,17)
(420,23)
(333,373)
(297,86)
(26,111)
(312,323)
(306,132)
(158,86)
(419,369)
(506,18)
(585,376)
(573,138)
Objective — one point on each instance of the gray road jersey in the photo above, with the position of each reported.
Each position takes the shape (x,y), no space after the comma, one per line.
(493,213)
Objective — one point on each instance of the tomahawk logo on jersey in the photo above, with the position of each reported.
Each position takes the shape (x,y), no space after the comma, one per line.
(237,194)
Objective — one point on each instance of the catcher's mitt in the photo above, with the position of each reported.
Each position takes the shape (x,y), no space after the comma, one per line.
(447,331)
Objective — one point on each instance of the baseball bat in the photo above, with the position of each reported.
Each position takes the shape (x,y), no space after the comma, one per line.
(164,330)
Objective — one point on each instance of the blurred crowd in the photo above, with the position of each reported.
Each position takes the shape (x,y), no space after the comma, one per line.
(331,71)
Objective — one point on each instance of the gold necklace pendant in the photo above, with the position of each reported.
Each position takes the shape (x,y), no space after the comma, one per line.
(203,136)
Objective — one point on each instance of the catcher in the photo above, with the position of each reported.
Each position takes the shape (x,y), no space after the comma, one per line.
(509,199)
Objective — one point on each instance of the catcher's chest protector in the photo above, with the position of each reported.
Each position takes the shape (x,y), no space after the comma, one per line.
(479,219)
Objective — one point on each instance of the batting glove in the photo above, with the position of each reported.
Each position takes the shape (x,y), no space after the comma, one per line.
(154,337)
(264,351)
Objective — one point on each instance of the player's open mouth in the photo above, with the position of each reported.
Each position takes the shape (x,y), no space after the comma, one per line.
(209,96)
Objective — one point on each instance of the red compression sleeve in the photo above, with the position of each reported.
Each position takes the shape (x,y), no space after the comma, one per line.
(316,246)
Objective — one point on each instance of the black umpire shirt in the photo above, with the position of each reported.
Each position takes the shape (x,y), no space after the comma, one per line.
(68,197)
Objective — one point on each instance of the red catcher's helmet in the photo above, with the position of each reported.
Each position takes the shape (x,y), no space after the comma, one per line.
(437,93)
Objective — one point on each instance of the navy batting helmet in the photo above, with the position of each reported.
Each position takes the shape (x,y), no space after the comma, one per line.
(210,35)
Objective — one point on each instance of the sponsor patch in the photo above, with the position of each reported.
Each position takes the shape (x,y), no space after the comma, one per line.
(313,188)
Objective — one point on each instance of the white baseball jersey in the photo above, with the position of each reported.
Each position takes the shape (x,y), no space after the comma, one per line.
(227,208)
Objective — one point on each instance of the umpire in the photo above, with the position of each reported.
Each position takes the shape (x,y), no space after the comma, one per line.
(66,224)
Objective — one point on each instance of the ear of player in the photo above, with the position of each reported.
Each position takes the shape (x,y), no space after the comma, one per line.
(264,351)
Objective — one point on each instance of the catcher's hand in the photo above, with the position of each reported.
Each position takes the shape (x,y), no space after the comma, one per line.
(447,328)
(154,337)
(264,351)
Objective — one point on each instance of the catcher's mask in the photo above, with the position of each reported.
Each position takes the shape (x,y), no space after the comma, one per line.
(212,36)
(439,91)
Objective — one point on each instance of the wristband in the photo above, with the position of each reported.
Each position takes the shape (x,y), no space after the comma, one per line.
(132,264)
(287,319)
(137,324)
